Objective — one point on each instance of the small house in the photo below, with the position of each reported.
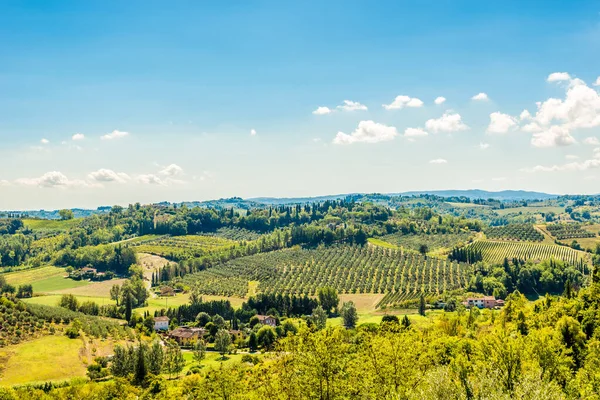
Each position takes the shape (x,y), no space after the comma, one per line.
(481,302)
(161,323)
(267,320)
(186,336)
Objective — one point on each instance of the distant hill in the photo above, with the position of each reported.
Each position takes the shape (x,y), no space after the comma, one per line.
(239,203)
(484,194)
(295,200)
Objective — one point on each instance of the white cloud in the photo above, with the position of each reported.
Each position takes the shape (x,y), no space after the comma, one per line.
(439,100)
(414,132)
(592,140)
(446,123)
(574,166)
(525,115)
(558,77)
(531,127)
(171,170)
(44,141)
(571,157)
(367,132)
(252,132)
(322,111)
(597,83)
(438,161)
(51,179)
(350,105)
(484,146)
(501,123)
(402,102)
(114,135)
(150,179)
(579,109)
(552,137)
(4,182)
(480,97)
(108,175)
(78,136)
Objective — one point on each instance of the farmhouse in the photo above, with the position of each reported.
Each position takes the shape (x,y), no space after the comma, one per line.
(161,323)
(482,302)
(185,335)
(267,320)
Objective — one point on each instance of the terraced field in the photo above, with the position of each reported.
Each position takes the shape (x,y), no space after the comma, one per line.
(349,269)
(496,252)
(180,247)
(518,232)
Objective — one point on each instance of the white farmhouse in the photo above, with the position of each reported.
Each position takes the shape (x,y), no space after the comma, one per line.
(161,323)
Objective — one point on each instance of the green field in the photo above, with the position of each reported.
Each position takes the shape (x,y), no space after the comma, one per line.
(496,252)
(49,358)
(381,243)
(349,269)
(53,299)
(34,275)
(434,242)
(51,224)
(181,247)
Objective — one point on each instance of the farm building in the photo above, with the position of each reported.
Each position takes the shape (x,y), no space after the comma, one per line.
(161,323)
(267,320)
(483,302)
(185,335)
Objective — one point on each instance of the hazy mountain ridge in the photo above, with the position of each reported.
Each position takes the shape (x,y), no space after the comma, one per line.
(238,202)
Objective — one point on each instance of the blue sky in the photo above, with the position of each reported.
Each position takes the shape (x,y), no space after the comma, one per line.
(117,102)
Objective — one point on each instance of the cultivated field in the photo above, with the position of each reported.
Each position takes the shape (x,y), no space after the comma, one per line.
(351,270)
(496,252)
(51,224)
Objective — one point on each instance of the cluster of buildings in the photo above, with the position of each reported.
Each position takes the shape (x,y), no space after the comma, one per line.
(187,335)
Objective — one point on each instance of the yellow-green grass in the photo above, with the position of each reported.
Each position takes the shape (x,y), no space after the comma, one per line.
(53,299)
(49,358)
(252,288)
(211,360)
(158,303)
(381,243)
(33,275)
(57,283)
(97,289)
(50,224)
(365,302)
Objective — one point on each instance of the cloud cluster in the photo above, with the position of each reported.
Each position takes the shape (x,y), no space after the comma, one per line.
(108,175)
(480,97)
(501,123)
(50,180)
(347,105)
(54,179)
(350,105)
(449,122)
(114,135)
(367,132)
(439,100)
(555,118)
(78,136)
(403,101)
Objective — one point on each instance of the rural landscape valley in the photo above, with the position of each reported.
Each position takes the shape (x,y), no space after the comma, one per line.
(232,298)
(299,200)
